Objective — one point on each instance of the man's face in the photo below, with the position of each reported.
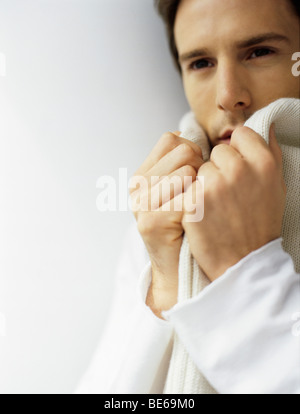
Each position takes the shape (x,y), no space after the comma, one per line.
(236,58)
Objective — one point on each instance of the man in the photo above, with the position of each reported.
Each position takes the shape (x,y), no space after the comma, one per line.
(235,58)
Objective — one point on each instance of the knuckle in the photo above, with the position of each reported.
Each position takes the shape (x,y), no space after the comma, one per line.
(185,151)
(240,133)
(217,150)
(168,139)
(188,171)
(240,130)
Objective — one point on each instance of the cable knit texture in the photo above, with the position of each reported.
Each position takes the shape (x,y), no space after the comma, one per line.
(183,375)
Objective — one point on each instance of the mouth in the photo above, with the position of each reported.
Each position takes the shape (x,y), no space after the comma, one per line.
(225,138)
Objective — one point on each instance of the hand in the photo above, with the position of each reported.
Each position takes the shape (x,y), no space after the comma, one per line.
(161,230)
(244,201)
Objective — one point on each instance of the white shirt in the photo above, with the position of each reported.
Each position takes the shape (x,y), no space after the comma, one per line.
(242,331)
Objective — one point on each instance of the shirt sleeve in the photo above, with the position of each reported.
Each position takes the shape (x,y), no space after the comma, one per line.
(133,352)
(241,331)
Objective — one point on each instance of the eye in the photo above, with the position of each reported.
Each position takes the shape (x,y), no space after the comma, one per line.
(261,52)
(200,64)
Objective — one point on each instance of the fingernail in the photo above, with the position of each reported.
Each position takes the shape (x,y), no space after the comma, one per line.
(178,133)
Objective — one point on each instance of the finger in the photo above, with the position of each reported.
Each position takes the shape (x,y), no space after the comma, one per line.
(194,203)
(175,206)
(172,185)
(208,169)
(180,156)
(224,156)
(166,143)
(249,144)
(195,147)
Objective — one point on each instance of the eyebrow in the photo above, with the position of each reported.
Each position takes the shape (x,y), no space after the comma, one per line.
(252,41)
(262,38)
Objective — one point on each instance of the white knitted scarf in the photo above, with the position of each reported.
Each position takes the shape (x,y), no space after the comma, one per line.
(183,375)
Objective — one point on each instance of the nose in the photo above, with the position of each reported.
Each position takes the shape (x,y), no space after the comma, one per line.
(232,88)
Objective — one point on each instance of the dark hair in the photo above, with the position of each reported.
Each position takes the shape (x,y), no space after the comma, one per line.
(167,9)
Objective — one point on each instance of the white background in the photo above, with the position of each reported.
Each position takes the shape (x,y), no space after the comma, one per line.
(89,89)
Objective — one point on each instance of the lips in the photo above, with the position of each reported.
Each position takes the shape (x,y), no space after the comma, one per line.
(226,136)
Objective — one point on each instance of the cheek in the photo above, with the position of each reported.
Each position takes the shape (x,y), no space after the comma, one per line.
(199,99)
(279,84)
(291,84)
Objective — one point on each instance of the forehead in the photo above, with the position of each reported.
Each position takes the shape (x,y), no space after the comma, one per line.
(212,21)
